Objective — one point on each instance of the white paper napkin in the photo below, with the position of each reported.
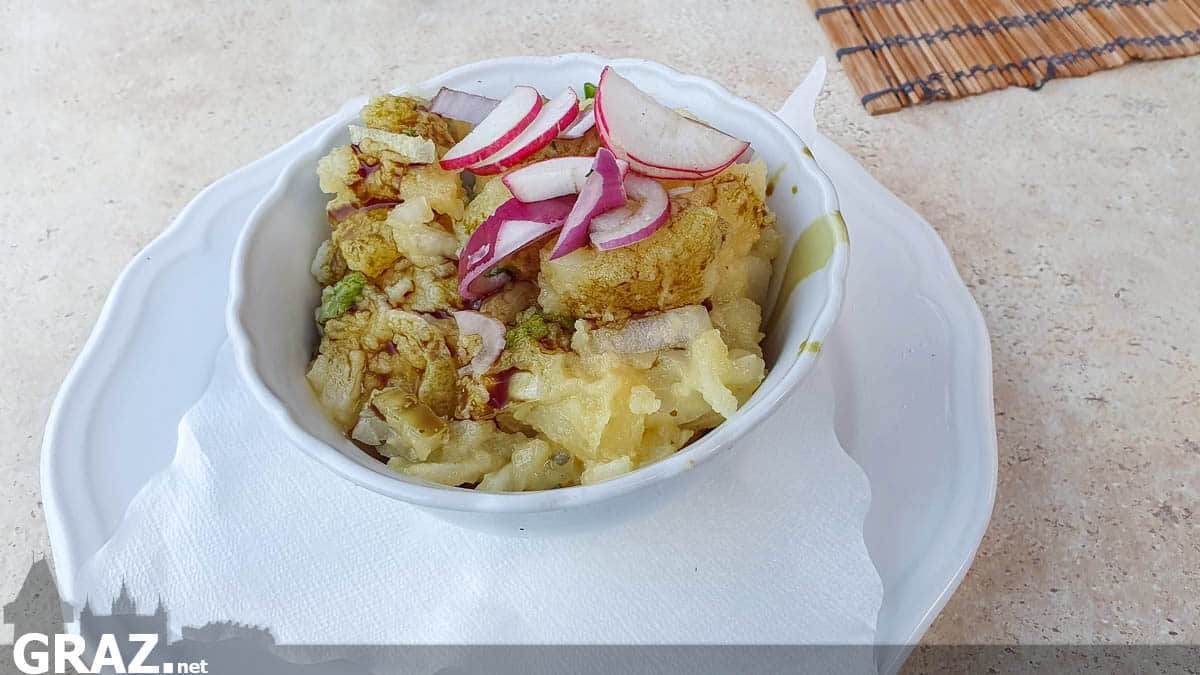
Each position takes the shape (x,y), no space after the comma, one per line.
(242,526)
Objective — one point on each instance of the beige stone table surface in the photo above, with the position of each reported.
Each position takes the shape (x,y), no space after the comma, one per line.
(1072,214)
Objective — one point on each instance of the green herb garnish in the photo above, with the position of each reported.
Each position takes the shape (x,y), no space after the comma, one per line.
(535,326)
(589,90)
(532,328)
(410,132)
(337,299)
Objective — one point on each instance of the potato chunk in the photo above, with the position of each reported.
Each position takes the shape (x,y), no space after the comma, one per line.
(671,268)
(365,241)
(442,189)
(401,114)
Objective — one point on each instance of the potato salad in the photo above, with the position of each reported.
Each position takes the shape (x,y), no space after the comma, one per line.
(529,293)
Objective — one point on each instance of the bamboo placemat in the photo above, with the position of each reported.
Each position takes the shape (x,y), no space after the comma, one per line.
(902,52)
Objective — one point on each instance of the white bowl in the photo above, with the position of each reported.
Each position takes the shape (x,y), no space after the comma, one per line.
(273,294)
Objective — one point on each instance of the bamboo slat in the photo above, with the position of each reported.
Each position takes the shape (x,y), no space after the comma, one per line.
(899,53)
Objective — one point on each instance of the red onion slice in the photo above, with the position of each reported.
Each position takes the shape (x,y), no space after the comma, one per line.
(602,191)
(624,226)
(490,331)
(511,116)
(460,105)
(498,392)
(482,241)
(486,247)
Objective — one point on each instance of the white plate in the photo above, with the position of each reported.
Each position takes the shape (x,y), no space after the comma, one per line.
(910,353)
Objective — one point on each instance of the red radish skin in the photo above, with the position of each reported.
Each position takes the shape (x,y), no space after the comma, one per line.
(664,174)
(587,120)
(552,178)
(655,138)
(461,105)
(480,254)
(624,226)
(603,191)
(555,116)
(512,115)
(682,172)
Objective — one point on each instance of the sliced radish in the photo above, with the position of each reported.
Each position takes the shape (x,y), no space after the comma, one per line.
(460,105)
(558,114)
(603,191)
(652,136)
(490,331)
(482,251)
(551,178)
(511,116)
(512,236)
(665,174)
(586,121)
(644,169)
(625,226)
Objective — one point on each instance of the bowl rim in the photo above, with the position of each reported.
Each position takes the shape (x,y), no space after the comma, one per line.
(466,500)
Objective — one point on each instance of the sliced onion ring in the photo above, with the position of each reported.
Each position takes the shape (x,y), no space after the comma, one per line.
(490,331)
(624,226)
(603,191)
(481,244)
(461,105)
(511,228)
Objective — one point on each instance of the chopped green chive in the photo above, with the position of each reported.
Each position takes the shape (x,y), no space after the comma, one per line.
(589,90)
